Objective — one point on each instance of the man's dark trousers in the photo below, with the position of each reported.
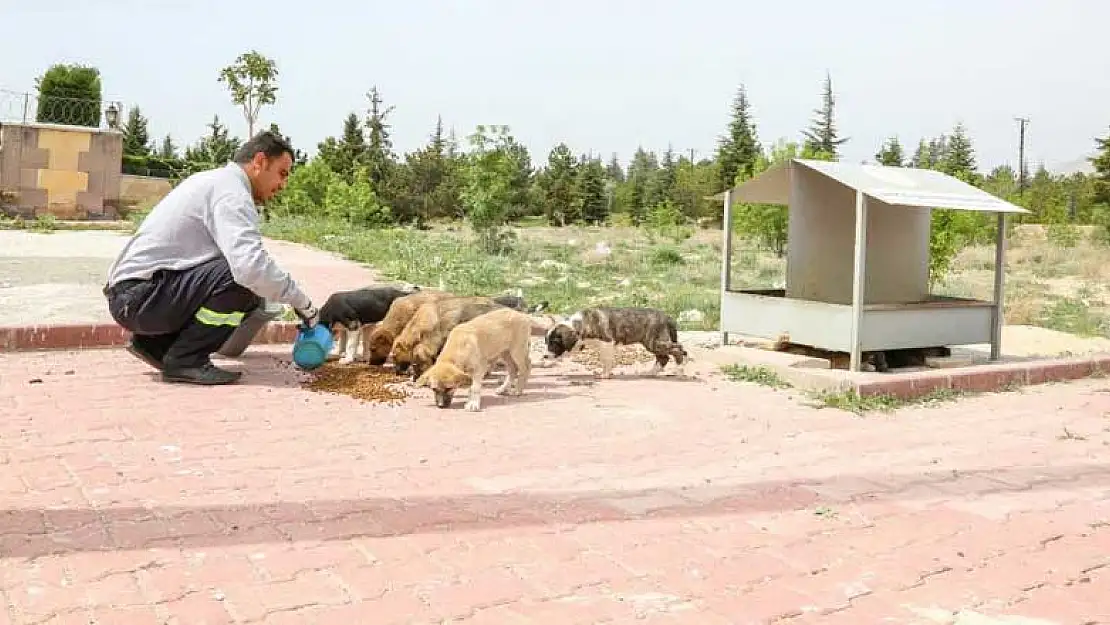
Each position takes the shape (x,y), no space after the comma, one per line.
(179,318)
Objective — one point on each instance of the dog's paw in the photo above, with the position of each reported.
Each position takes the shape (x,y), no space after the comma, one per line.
(473,405)
(501,390)
(346,360)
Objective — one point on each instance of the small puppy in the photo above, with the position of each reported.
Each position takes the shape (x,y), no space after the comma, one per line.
(472,348)
(348,314)
(606,327)
(423,338)
(400,313)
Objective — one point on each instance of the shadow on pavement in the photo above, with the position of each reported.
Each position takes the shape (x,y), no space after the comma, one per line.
(30,533)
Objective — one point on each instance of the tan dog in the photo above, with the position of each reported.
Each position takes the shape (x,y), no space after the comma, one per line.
(472,348)
(423,338)
(380,341)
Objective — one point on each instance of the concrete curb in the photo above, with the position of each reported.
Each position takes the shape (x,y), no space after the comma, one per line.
(92,335)
(987,377)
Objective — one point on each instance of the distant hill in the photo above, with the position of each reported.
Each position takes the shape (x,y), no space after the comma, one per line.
(1077,166)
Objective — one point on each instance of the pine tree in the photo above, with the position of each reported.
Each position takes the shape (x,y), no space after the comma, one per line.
(738,151)
(352,145)
(433,186)
(299,157)
(216,149)
(920,158)
(1101,163)
(930,153)
(168,149)
(591,196)
(891,153)
(821,138)
(136,135)
(558,186)
(938,150)
(643,180)
(668,174)
(379,151)
(959,157)
(614,170)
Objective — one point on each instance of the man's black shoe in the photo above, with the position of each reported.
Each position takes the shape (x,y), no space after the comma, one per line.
(207,374)
(137,350)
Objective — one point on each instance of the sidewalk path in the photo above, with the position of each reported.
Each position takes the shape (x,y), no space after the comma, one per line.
(123,500)
(57,278)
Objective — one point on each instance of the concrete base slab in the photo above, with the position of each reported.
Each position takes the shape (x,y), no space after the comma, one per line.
(958,373)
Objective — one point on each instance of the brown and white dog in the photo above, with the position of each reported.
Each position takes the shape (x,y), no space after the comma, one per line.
(425,334)
(380,341)
(605,327)
(471,350)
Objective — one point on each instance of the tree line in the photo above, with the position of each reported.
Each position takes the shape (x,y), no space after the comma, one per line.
(492,180)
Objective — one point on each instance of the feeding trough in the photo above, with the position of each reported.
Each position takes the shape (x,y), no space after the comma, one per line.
(857,264)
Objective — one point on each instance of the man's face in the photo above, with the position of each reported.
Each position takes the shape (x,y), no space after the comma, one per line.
(268,175)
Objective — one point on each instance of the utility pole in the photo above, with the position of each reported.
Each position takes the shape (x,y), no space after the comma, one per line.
(692,152)
(1022,121)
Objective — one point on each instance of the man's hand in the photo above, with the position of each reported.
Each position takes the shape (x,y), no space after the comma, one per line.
(308,315)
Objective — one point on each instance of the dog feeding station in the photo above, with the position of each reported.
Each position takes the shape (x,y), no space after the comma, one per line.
(857,262)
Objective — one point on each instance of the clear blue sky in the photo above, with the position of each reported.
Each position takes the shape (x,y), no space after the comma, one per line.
(605,75)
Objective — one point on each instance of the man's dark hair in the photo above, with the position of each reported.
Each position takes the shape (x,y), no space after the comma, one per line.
(269,143)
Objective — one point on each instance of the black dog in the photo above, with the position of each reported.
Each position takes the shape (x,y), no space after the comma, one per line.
(345,312)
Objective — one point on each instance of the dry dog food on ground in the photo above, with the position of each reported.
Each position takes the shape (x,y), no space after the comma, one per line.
(623,355)
(365,382)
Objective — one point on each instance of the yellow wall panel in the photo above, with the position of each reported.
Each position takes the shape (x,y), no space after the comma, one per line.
(62,186)
(60,179)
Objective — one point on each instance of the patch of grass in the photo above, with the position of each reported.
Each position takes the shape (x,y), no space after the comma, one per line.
(42,224)
(851,401)
(47,224)
(1075,316)
(761,375)
(568,271)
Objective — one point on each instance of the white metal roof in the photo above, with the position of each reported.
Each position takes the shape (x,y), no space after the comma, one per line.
(897,186)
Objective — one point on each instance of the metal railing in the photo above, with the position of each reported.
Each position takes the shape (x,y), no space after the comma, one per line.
(26,107)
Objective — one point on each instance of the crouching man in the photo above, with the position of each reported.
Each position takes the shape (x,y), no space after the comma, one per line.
(196,266)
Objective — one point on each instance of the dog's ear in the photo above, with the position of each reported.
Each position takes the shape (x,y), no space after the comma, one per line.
(455,377)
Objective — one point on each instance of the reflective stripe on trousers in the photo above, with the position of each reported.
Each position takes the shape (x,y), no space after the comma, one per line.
(209,317)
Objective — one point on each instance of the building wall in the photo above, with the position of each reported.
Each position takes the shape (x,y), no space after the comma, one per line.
(142,191)
(70,172)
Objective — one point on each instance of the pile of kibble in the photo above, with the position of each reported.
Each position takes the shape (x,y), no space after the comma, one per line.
(364,382)
(624,355)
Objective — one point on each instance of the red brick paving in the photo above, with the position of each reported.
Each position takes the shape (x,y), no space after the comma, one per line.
(123,500)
